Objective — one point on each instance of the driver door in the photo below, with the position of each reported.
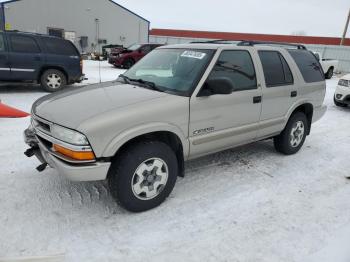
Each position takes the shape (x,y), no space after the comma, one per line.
(219,122)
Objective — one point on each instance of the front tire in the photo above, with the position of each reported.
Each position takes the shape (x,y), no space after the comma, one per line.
(53,80)
(143,175)
(293,136)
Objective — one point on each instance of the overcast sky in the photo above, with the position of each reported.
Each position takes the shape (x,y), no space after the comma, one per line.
(314,17)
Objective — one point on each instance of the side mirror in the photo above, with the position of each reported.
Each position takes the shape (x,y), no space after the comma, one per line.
(217,86)
(140,51)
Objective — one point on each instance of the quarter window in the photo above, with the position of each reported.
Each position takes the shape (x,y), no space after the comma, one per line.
(236,65)
(24,44)
(59,46)
(308,65)
(276,69)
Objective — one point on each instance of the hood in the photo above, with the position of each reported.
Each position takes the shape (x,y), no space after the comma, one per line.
(71,107)
(346,77)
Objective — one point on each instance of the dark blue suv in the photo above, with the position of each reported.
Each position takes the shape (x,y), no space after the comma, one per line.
(27,57)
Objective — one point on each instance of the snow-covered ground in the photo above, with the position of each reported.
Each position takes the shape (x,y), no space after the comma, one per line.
(245,204)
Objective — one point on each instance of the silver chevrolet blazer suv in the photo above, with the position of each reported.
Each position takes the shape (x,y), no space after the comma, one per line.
(178,103)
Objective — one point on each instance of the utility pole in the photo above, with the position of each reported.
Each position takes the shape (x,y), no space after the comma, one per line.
(345,29)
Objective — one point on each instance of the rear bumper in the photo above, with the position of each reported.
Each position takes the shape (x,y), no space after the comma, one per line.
(319,112)
(74,172)
(77,79)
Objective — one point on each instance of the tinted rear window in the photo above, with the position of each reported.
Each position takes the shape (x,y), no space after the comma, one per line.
(276,69)
(308,65)
(24,44)
(60,47)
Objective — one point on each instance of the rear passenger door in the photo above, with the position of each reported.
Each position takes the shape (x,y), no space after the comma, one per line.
(4,62)
(279,92)
(25,57)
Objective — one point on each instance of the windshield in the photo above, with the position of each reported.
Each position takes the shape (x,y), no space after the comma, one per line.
(175,71)
(134,47)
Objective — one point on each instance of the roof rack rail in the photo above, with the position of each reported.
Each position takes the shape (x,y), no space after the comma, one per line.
(215,41)
(252,43)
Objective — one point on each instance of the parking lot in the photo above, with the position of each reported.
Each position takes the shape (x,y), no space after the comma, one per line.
(244,204)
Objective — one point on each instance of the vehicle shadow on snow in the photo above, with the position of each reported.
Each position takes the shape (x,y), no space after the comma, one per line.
(96,195)
(243,156)
(22,88)
(28,88)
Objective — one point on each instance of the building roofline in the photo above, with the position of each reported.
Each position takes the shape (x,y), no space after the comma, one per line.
(248,36)
(126,9)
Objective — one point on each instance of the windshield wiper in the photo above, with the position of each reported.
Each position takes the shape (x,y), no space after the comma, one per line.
(144,83)
(126,79)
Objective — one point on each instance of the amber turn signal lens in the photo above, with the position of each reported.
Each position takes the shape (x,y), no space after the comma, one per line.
(76,155)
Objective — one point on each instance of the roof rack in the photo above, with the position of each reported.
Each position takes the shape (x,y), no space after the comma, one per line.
(248,43)
(252,43)
(216,41)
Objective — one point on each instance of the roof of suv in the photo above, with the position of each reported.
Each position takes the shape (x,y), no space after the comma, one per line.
(215,44)
(30,33)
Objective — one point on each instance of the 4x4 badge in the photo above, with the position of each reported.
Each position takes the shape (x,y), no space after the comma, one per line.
(203,131)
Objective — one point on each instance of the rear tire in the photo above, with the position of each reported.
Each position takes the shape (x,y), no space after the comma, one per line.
(330,73)
(293,136)
(143,175)
(339,103)
(53,80)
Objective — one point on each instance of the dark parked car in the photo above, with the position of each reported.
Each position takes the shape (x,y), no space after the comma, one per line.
(51,61)
(127,57)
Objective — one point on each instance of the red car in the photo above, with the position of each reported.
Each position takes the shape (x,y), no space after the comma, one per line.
(127,57)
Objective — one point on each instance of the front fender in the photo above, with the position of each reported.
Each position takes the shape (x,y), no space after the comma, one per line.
(118,141)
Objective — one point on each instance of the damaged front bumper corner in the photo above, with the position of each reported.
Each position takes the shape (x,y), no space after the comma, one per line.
(84,172)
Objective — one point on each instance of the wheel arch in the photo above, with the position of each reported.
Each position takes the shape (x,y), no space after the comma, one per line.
(45,68)
(305,107)
(174,138)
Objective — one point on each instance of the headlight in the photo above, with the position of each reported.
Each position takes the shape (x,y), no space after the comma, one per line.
(68,135)
(343,82)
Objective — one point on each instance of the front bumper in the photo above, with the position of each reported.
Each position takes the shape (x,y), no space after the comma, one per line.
(74,172)
(342,94)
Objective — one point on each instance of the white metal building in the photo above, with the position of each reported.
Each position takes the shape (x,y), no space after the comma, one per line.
(90,24)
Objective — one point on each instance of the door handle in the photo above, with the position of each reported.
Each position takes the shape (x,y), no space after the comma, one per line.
(257,99)
(293,94)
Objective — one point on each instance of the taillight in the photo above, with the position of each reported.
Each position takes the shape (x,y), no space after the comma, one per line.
(81,64)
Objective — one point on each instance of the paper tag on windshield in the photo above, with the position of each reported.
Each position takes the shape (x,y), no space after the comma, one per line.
(193,54)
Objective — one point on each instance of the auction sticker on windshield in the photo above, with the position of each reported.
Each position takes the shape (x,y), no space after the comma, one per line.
(193,54)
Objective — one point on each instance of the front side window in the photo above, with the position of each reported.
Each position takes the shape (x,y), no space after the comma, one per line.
(308,65)
(175,71)
(276,69)
(236,65)
(146,49)
(24,44)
